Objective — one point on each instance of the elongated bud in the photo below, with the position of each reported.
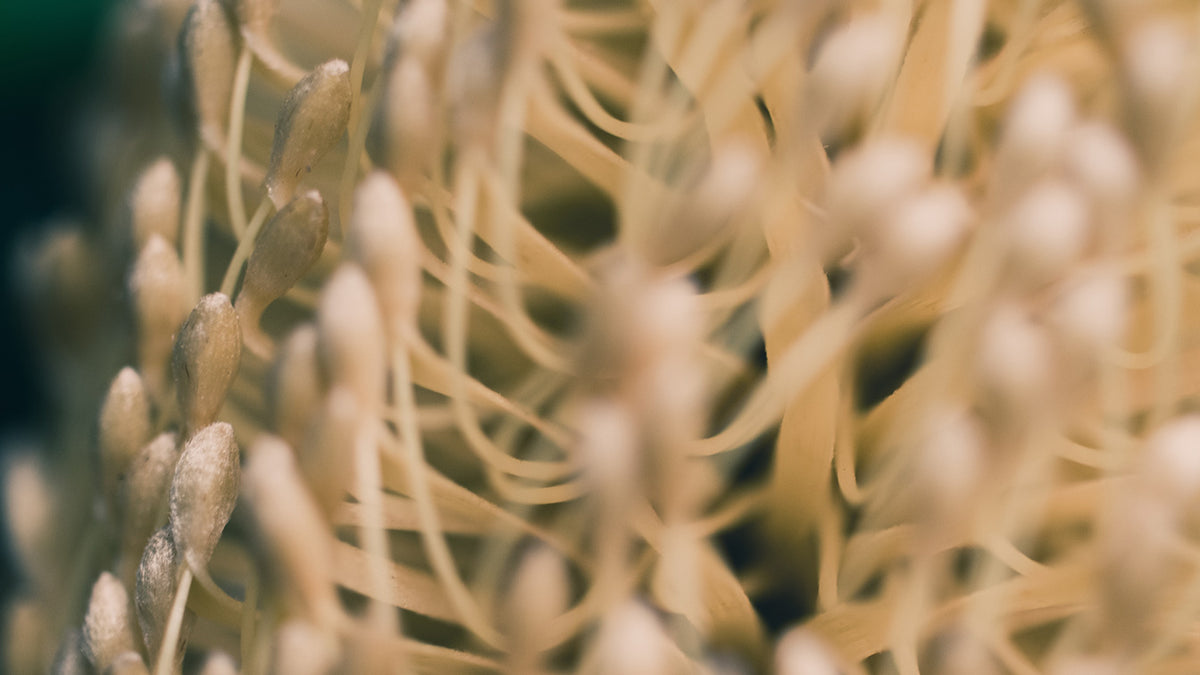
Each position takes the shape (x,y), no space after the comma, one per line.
(293,537)
(311,122)
(304,649)
(124,426)
(1101,163)
(154,204)
(156,579)
(950,463)
(26,630)
(799,652)
(1171,465)
(144,502)
(918,238)
(107,627)
(867,183)
(382,239)
(283,253)
(1049,230)
(420,30)
(609,450)
(294,391)
(851,74)
(350,335)
(160,302)
(1158,63)
(209,46)
(1015,364)
(128,663)
(632,642)
(324,456)
(540,593)
(219,663)
(1034,134)
(203,492)
(31,507)
(1092,313)
(205,359)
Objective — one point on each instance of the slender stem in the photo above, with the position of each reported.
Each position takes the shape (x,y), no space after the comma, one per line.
(166,651)
(193,224)
(368,491)
(245,246)
(249,610)
(233,150)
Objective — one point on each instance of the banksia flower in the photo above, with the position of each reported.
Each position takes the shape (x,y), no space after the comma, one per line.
(512,336)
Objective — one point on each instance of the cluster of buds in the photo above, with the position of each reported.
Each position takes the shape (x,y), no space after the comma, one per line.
(648,337)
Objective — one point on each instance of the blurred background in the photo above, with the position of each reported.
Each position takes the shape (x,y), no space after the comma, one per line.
(48,51)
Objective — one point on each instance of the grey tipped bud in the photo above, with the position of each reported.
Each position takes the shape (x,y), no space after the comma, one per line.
(204,491)
(383,240)
(155,588)
(161,296)
(285,250)
(154,204)
(205,359)
(311,122)
(144,502)
(124,426)
(107,626)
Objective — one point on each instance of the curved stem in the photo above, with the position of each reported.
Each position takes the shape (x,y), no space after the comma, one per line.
(193,224)
(233,149)
(165,662)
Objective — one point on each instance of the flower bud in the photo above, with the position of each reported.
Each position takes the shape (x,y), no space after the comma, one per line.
(292,535)
(1100,163)
(156,580)
(1092,312)
(1049,231)
(160,303)
(107,626)
(128,663)
(144,492)
(312,120)
(918,238)
(285,250)
(1033,136)
(219,663)
(383,240)
(203,492)
(1158,64)
(32,510)
(1171,465)
(799,652)
(154,204)
(950,464)
(1015,364)
(294,390)
(867,182)
(539,594)
(209,57)
(304,649)
(852,71)
(631,641)
(124,426)
(205,359)
(324,457)
(406,130)
(350,339)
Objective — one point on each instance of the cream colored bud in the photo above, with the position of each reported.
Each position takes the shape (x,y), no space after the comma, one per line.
(1171,465)
(917,238)
(1137,533)
(852,72)
(144,493)
(609,449)
(799,652)
(285,250)
(161,299)
(473,82)
(1101,164)
(203,492)
(292,534)
(1015,362)
(312,120)
(350,338)
(420,29)
(304,649)
(156,580)
(1049,230)
(867,182)
(32,509)
(383,240)
(124,426)
(1034,133)
(631,641)
(219,663)
(1092,312)
(950,465)
(407,128)
(128,663)
(205,359)
(325,455)
(154,204)
(294,390)
(209,46)
(1158,64)
(107,626)
(539,594)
